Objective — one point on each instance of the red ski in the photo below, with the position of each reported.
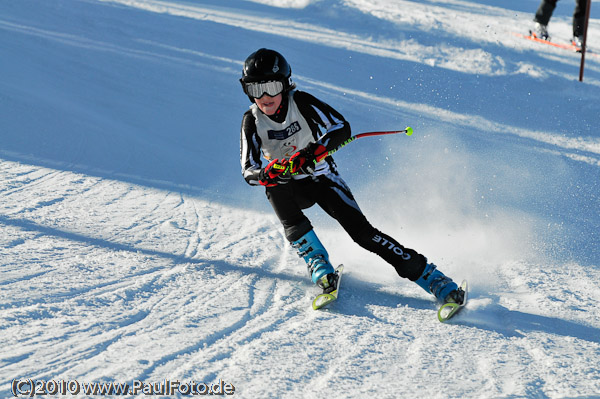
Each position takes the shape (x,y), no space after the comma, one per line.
(564,46)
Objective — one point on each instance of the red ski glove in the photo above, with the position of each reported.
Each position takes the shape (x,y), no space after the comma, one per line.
(276,172)
(304,161)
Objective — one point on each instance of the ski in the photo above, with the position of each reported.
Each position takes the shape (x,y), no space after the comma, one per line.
(561,45)
(325,299)
(449,309)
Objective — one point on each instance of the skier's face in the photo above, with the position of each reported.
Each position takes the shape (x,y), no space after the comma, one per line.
(269,105)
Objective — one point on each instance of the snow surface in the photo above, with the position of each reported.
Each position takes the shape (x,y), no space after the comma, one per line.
(131,249)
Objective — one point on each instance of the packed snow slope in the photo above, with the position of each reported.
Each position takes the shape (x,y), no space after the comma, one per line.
(131,249)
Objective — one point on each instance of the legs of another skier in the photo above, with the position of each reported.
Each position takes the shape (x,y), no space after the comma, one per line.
(544,11)
(579,20)
(542,17)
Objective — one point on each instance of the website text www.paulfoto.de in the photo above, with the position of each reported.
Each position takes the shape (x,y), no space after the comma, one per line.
(32,387)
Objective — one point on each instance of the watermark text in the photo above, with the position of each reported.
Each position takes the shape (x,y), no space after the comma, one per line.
(27,387)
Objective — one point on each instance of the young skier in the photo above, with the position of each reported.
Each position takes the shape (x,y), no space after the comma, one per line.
(294,131)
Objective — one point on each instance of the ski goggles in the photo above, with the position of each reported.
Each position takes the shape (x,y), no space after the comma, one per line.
(258,89)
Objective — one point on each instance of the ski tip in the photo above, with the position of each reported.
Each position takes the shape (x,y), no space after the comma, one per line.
(447,311)
(323,300)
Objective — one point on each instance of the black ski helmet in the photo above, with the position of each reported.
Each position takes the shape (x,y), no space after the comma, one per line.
(265,65)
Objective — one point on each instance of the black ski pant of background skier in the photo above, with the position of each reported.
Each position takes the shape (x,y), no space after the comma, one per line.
(546,8)
(332,194)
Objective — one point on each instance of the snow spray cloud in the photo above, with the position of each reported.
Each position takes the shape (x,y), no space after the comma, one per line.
(434,199)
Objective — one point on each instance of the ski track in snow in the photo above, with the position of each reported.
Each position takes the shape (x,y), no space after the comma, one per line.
(112,276)
(135,266)
(108,281)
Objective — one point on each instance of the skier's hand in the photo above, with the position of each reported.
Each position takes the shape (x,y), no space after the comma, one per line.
(276,172)
(304,161)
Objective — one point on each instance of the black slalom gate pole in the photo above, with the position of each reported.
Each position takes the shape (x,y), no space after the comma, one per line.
(583,45)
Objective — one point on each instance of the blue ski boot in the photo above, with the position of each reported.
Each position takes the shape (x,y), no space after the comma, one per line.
(309,248)
(443,288)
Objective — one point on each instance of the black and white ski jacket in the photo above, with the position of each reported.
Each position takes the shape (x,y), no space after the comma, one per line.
(303,119)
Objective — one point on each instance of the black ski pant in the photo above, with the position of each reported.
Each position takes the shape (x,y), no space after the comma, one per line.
(546,8)
(332,194)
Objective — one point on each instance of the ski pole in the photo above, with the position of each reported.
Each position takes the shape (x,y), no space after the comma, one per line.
(408,131)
